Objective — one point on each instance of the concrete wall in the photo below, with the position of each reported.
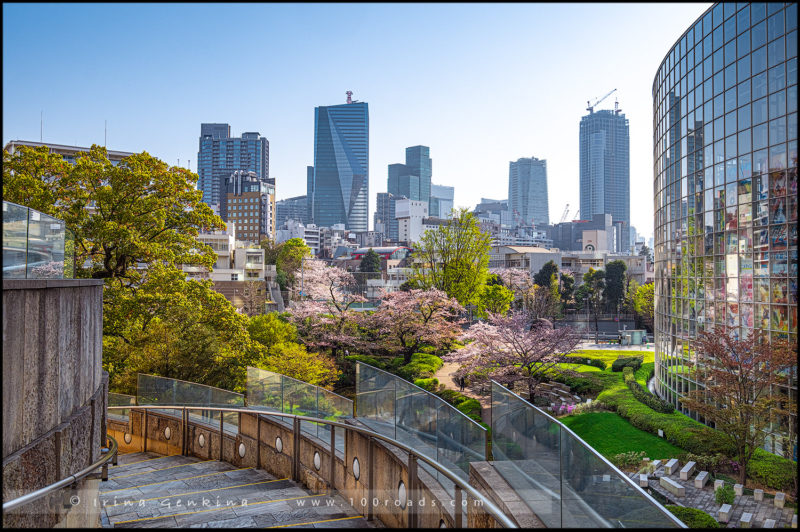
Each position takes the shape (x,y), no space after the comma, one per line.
(54,389)
(258,435)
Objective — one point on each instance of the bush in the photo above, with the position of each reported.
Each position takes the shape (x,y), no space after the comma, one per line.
(452,396)
(472,408)
(586,361)
(422,365)
(629,459)
(773,471)
(431,384)
(724,494)
(643,396)
(705,462)
(692,517)
(366,359)
(629,362)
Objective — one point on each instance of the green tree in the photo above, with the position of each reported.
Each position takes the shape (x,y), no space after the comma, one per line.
(270,330)
(545,273)
(494,298)
(567,288)
(371,262)
(646,252)
(643,305)
(454,258)
(614,284)
(293,360)
(271,251)
(592,289)
(290,258)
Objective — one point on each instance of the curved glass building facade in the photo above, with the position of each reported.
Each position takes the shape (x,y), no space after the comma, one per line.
(725,153)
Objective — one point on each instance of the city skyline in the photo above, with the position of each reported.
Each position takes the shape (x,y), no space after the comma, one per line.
(462,96)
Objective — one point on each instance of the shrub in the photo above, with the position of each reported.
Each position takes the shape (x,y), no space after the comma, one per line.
(421,365)
(630,362)
(472,408)
(452,396)
(586,361)
(705,462)
(629,459)
(772,470)
(366,359)
(431,384)
(643,396)
(724,494)
(692,517)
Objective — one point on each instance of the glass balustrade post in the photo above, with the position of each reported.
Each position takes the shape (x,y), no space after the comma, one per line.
(296,451)
(221,432)
(333,458)
(144,434)
(457,513)
(258,441)
(370,478)
(411,501)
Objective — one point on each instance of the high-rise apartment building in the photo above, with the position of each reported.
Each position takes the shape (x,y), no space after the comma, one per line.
(527,191)
(725,181)
(605,169)
(339,186)
(250,204)
(220,155)
(441,202)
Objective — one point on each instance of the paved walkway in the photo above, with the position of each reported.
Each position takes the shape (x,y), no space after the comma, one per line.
(445,376)
(703,499)
(155,491)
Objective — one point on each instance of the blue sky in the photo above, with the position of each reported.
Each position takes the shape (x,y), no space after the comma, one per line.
(481,84)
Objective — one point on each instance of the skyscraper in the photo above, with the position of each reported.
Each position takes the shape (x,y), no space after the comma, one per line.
(527,191)
(385,212)
(220,155)
(418,162)
(725,183)
(339,187)
(441,201)
(605,169)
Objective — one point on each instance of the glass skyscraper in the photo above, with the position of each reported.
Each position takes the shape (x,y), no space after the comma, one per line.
(338,190)
(412,179)
(605,169)
(441,201)
(725,152)
(220,155)
(527,191)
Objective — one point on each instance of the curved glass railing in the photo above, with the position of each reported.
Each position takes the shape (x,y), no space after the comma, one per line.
(563,480)
(271,391)
(396,408)
(35,245)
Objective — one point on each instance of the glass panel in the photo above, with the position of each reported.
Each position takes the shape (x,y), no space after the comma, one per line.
(119,399)
(15,236)
(46,237)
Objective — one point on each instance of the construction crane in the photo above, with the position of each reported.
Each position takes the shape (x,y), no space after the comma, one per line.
(564,216)
(591,106)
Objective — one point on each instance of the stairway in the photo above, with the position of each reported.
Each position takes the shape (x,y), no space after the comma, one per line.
(151,490)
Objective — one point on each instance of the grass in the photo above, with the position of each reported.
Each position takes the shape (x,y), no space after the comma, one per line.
(608,356)
(611,435)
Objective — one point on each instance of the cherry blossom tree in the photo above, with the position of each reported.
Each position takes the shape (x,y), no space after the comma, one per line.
(406,320)
(326,319)
(514,348)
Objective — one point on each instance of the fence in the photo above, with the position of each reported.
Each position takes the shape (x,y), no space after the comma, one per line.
(35,245)
(120,399)
(279,393)
(154,390)
(396,408)
(565,482)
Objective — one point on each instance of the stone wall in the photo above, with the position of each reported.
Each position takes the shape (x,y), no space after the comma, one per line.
(54,389)
(257,437)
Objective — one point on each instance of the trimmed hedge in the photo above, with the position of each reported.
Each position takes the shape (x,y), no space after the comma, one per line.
(472,408)
(422,365)
(431,384)
(626,362)
(641,394)
(692,517)
(596,362)
(772,470)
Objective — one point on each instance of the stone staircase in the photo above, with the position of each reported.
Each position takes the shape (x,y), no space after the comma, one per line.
(151,490)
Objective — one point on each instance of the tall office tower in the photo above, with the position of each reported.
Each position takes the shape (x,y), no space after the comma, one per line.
(725,184)
(441,201)
(250,204)
(385,211)
(418,162)
(402,183)
(527,191)
(339,187)
(605,169)
(220,155)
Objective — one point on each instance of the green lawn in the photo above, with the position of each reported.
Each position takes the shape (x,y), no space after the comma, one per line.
(610,434)
(608,356)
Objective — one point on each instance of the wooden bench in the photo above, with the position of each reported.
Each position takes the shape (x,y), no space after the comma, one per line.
(671,466)
(745,520)
(724,513)
(672,486)
(687,471)
(701,479)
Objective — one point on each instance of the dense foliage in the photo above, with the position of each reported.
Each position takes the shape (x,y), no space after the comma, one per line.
(692,517)
(643,396)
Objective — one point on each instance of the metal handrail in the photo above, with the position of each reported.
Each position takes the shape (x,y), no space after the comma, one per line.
(625,478)
(110,453)
(458,481)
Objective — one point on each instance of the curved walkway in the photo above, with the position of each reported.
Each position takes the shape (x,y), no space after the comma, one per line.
(445,376)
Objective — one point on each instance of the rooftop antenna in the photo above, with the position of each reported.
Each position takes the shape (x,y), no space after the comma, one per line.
(349,96)
(617,110)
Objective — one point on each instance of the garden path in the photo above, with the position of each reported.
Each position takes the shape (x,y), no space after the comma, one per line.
(445,376)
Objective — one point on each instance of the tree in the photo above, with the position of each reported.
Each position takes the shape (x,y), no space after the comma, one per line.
(545,274)
(592,289)
(454,258)
(741,386)
(293,360)
(517,280)
(514,348)
(643,305)
(405,321)
(139,211)
(614,292)
(270,330)
(371,262)
(290,258)
(628,302)
(567,287)
(494,298)
(646,252)
(254,297)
